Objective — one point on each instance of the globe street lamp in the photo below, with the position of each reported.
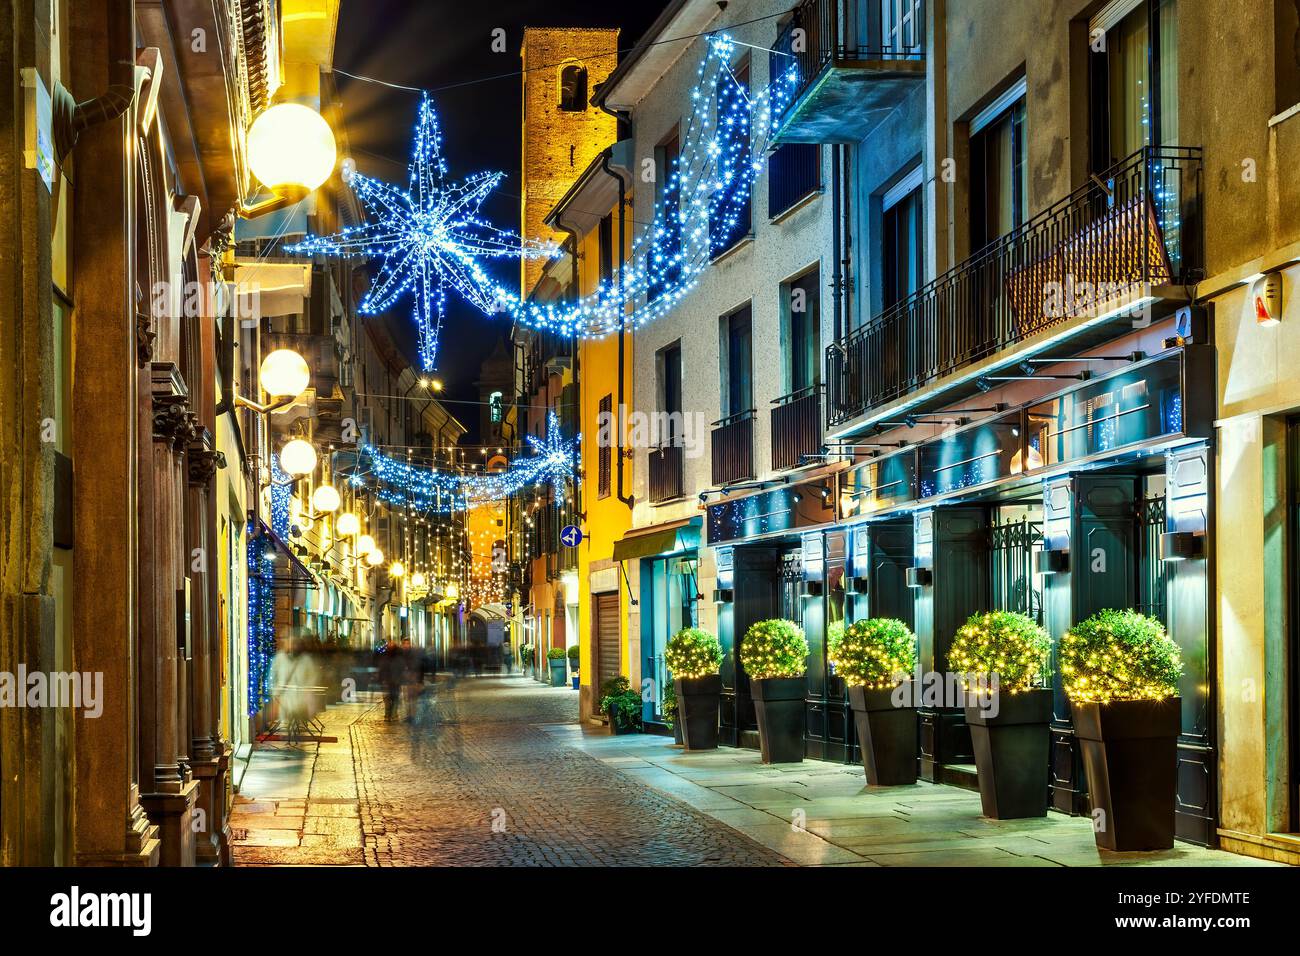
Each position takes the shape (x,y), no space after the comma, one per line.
(291,152)
(298,458)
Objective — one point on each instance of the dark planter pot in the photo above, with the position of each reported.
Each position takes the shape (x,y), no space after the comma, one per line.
(886,734)
(779,707)
(1011,754)
(697,710)
(557,673)
(1130,754)
(677,726)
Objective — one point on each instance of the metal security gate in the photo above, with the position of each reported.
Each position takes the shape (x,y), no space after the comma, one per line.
(1014,584)
(1151,570)
(606,634)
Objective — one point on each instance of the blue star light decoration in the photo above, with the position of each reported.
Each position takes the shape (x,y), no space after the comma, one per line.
(428,237)
(431,490)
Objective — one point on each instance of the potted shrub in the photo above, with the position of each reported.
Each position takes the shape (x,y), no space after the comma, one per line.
(876,658)
(555,665)
(574,653)
(621,704)
(670,711)
(1003,658)
(1120,671)
(774,654)
(526,652)
(693,656)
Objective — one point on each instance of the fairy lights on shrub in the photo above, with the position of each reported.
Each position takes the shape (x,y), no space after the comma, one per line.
(774,648)
(1119,655)
(1004,643)
(876,653)
(693,652)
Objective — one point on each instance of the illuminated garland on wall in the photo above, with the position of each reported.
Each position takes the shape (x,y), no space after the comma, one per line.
(281,499)
(430,236)
(261,619)
(431,490)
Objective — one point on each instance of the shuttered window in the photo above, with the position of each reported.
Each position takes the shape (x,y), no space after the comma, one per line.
(605,451)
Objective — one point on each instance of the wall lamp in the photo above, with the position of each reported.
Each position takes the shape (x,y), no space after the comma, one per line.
(1181,545)
(723,595)
(1052,562)
(911,421)
(986,383)
(918,577)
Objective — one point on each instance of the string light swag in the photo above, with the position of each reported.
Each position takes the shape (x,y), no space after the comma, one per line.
(429,489)
(428,237)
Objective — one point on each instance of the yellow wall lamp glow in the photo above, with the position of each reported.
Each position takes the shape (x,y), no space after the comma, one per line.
(284,376)
(291,151)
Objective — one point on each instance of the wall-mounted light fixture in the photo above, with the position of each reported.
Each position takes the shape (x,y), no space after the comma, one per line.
(918,577)
(1052,562)
(723,595)
(1266,294)
(812,589)
(1181,545)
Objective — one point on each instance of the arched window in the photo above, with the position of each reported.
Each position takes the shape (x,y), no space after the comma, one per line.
(573,88)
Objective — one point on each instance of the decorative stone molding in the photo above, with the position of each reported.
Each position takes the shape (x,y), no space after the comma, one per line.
(204,460)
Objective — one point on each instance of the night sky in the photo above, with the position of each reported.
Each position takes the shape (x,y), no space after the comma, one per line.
(446,48)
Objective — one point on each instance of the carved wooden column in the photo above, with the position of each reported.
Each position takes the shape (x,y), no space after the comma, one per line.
(170,797)
(111,827)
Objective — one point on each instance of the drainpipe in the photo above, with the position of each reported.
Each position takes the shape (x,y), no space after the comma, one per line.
(836,214)
(626,499)
(71,118)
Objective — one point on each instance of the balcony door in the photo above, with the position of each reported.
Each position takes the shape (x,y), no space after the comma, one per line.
(999,188)
(737,361)
(801,309)
(903,249)
(1134,79)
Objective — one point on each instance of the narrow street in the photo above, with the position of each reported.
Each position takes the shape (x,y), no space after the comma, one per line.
(507,777)
(488,785)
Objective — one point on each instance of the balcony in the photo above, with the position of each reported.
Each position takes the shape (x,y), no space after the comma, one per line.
(733,448)
(796,428)
(855,60)
(1062,282)
(665,473)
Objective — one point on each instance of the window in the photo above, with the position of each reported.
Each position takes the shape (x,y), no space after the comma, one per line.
(801,312)
(668,209)
(999,188)
(605,239)
(670,391)
(737,359)
(1286,59)
(494,406)
(793,174)
(1134,80)
(903,250)
(730,212)
(605,455)
(573,88)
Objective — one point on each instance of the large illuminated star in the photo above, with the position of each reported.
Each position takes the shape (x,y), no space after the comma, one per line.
(429,237)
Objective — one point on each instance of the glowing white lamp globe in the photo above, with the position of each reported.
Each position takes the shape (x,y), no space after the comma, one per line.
(417,579)
(396,570)
(284,374)
(375,558)
(453,590)
(326,499)
(291,147)
(366,545)
(348,524)
(298,458)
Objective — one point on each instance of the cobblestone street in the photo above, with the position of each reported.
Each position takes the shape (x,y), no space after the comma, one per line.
(486,785)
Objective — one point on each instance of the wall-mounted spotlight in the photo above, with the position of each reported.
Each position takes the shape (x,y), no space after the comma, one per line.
(918,577)
(812,589)
(1052,562)
(1181,545)
(723,595)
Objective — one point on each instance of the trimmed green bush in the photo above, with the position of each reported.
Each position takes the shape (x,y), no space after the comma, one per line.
(1004,643)
(620,702)
(774,648)
(1119,655)
(693,652)
(526,652)
(875,653)
(555,654)
(575,652)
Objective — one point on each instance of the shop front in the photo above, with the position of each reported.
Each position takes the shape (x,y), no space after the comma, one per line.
(1092,497)
(771,558)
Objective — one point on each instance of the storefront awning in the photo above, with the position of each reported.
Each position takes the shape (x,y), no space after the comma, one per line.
(658,539)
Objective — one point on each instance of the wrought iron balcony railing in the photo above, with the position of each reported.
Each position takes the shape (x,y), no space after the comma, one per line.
(665,471)
(1138,224)
(796,427)
(733,448)
(823,33)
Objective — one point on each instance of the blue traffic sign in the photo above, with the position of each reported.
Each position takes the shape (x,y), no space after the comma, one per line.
(571,536)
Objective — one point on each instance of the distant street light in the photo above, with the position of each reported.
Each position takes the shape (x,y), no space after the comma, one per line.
(348,524)
(326,499)
(298,458)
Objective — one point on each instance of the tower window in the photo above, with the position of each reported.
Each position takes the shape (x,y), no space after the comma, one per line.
(573,88)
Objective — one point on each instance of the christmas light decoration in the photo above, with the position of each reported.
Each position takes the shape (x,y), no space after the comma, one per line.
(429,236)
(1119,655)
(693,652)
(261,619)
(875,653)
(281,499)
(429,489)
(1006,643)
(774,648)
